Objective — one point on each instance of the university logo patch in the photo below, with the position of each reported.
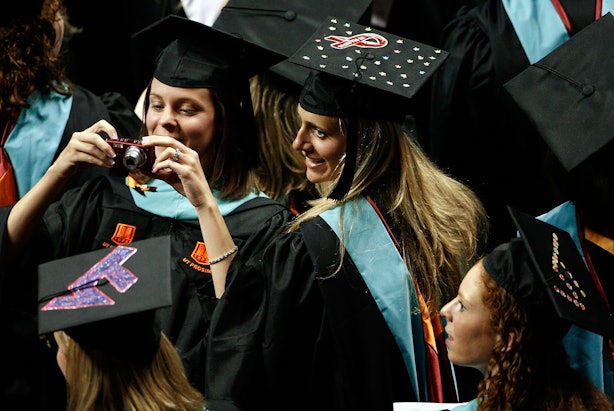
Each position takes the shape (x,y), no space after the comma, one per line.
(199,254)
(124,234)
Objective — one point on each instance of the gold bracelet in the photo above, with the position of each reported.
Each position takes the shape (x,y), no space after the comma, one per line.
(225,255)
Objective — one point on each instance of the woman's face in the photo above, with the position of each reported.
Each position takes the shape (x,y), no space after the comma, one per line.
(186,114)
(471,337)
(322,143)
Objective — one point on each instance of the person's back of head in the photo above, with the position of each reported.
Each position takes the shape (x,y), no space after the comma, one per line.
(117,384)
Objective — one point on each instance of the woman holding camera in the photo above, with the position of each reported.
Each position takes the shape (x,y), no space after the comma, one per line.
(198,117)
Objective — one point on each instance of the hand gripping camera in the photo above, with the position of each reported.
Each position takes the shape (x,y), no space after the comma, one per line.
(132,154)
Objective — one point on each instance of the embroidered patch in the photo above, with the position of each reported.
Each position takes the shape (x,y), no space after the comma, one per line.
(124,234)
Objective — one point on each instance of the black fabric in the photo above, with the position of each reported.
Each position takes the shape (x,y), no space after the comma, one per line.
(289,334)
(477,132)
(22,10)
(198,56)
(266,22)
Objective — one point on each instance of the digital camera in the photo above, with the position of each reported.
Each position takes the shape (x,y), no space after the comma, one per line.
(131,154)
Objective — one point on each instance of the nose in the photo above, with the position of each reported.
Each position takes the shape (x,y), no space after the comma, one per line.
(445,311)
(167,119)
(301,141)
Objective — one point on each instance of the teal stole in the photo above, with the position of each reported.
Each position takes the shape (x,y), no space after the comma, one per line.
(367,241)
(167,202)
(538,25)
(35,139)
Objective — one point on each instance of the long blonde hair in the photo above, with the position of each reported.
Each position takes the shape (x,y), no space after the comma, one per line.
(97,381)
(440,222)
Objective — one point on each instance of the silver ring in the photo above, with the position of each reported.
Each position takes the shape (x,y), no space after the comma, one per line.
(176,155)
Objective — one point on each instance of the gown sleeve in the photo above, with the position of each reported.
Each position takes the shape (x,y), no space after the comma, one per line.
(264,323)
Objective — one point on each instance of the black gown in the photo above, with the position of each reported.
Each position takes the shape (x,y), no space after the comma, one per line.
(86,219)
(289,335)
(478,133)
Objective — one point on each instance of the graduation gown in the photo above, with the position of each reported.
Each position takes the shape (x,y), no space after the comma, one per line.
(477,131)
(102,213)
(291,333)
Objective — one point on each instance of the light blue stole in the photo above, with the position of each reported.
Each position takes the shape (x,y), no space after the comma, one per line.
(538,25)
(367,241)
(584,348)
(167,202)
(35,139)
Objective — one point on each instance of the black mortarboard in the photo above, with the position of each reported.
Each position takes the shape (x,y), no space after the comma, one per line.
(106,299)
(198,56)
(543,269)
(569,94)
(362,72)
(284,25)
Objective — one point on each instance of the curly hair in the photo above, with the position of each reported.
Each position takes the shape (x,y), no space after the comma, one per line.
(528,371)
(438,220)
(28,61)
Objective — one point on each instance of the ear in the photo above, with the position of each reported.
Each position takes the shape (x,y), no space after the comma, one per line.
(512,337)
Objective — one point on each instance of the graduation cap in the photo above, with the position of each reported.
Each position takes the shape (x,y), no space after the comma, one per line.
(198,56)
(361,72)
(542,269)
(106,299)
(284,25)
(569,94)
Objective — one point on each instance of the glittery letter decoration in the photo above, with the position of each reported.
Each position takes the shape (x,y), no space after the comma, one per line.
(84,292)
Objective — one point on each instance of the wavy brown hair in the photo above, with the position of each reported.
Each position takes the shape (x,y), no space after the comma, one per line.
(438,221)
(97,381)
(529,370)
(28,61)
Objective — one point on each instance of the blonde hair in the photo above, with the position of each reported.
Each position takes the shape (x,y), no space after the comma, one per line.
(439,220)
(281,169)
(97,381)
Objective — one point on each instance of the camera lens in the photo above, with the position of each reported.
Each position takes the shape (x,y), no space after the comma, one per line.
(134,158)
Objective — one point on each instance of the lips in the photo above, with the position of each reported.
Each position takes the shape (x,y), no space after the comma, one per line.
(312,163)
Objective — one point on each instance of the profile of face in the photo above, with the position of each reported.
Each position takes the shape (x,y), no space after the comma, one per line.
(322,143)
(185,114)
(471,337)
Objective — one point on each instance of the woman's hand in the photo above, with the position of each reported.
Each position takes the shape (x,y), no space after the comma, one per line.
(85,149)
(180,167)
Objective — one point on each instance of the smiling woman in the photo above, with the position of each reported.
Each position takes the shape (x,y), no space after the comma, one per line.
(338,291)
